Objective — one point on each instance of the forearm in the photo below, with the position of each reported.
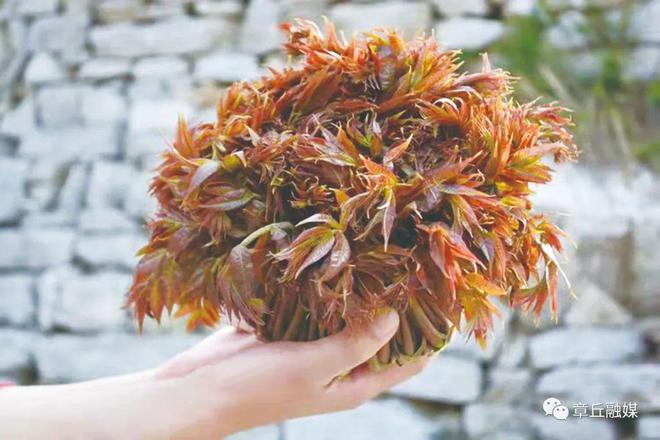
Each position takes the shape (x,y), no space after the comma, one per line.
(123,407)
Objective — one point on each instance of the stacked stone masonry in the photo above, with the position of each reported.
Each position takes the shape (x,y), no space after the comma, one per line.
(90,91)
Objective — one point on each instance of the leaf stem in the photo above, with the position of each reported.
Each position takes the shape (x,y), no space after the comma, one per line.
(435,338)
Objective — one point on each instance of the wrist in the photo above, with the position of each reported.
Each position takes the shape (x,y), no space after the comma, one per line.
(198,408)
(153,407)
(146,406)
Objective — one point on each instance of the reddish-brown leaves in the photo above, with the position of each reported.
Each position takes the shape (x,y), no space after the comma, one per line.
(205,170)
(237,282)
(449,252)
(308,248)
(407,182)
(396,152)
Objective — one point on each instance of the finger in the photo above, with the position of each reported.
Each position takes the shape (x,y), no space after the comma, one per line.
(365,383)
(221,345)
(346,350)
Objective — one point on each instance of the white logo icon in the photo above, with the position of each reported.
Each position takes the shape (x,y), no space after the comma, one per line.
(549,404)
(560,412)
(553,407)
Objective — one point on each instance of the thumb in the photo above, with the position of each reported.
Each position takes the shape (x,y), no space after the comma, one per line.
(339,353)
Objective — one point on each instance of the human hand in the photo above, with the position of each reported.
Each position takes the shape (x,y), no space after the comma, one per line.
(235,382)
(227,383)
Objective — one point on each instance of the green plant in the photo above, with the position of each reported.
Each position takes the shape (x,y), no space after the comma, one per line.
(613,114)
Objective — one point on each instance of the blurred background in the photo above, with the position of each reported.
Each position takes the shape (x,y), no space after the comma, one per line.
(90,91)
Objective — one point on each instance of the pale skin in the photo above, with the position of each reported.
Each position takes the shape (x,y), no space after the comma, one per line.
(227,383)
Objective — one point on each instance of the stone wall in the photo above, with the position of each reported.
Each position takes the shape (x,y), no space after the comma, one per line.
(90,91)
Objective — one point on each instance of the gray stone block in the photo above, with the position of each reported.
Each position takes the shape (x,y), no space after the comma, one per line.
(384,419)
(12,249)
(109,11)
(35,248)
(645,295)
(409,17)
(513,351)
(12,181)
(17,300)
(448,379)
(49,219)
(67,358)
(42,183)
(43,68)
(83,303)
(141,145)
(651,329)
(223,8)
(468,33)
(644,64)
(71,143)
(72,192)
(227,67)
(105,220)
(549,428)
(109,182)
(584,346)
(15,352)
(48,247)
(451,8)
(104,105)
(595,307)
(604,383)
(104,68)
(508,385)
(259,31)
(109,250)
(59,106)
(310,10)
(35,7)
(175,36)
(58,33)
(597,203)
(645,21)
(160,67)
(157,116)
(481,420)
(648,427)
(138,203)
(20,120)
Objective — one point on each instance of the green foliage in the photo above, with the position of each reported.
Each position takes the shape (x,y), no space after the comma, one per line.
(653,93)
(523,48)
(650,153)
(613,115)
